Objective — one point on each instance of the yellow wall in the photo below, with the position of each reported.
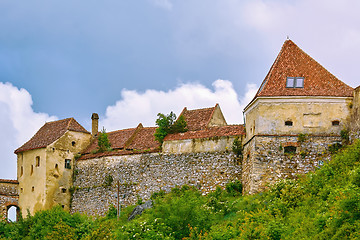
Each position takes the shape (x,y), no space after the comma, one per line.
(51,177)
(31,186)
(216,144)
(217,118)
(309,115)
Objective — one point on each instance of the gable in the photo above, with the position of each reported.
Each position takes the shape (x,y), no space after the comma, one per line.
(294,62)
(50,132)
(198,119)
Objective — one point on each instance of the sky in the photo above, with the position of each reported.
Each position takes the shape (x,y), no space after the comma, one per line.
(129,60)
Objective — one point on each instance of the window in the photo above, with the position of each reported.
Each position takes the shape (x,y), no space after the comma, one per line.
(289,149)
(21,171)
(32,170)
(335,123)
(63,190)
(32,189)
(294,82)
(37,161)
(68,163)
(73,143)
(288,123)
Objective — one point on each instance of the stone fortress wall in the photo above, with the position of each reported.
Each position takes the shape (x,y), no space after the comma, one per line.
(8,196)
(141,175)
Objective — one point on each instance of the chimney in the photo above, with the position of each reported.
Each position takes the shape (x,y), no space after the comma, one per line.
(95,124)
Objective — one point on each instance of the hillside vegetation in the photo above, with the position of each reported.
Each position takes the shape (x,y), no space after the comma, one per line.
(321,205)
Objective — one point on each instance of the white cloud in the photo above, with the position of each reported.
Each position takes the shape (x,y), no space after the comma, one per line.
(166,4)
(136,107)
(18,123)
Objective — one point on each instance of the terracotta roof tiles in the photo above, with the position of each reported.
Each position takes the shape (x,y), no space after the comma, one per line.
(50,132)
(294,62)
(197,119)
(229,130)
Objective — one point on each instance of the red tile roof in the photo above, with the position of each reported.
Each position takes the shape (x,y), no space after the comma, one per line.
(127,141)
(229,130)
(294,62)
(116,138)
(50,132)
(144,139)
(197,119)
(9,181)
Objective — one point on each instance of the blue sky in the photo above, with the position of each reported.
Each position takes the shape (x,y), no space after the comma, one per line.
(129,60)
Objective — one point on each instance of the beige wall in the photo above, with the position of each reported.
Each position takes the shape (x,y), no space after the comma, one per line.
(51,180)
(215,144)
(217,118)
(31,185)
(309,115)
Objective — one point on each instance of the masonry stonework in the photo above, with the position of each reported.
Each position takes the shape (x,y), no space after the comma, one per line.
(143,174)
(265,162)
(8,196)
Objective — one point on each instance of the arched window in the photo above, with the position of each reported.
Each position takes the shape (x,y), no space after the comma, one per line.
(12,213)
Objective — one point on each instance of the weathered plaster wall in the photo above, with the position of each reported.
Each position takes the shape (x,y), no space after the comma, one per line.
(41,182)
(58,178)
(143,174)
(215,144)
(309,115)
(355,116)
(32,180)
(265,161)
(8,196)
(217,118)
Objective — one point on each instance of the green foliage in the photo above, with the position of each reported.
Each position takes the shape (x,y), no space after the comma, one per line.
(333,148)
(167,125)
(237,147)
(301,137)
(324,204)
(103,142)
(344,136)
(108,180)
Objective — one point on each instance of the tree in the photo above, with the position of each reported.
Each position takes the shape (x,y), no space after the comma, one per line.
(167,125)
(103,141)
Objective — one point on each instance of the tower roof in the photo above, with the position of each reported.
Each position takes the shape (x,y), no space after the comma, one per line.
(50,132)
(294,62)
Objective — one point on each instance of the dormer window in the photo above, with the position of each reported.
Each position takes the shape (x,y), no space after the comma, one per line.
(294,82)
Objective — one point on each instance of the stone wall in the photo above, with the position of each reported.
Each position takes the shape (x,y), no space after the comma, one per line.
(355,116)
(8,196)
(265,161)
(143,174)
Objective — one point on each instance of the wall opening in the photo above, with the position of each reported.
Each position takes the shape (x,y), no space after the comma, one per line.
(289,149)
(335,123)
(32,170)
(73,143)
(288,123)
(68,163)
(21,171)
(12,213)
(37,161)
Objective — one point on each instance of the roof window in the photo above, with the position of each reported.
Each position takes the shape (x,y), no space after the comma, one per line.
(294,82)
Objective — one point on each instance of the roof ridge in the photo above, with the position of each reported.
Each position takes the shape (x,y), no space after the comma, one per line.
(131,138)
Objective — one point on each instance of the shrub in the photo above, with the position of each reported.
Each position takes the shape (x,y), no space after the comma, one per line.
(167,125)
(103,141)
(237,147)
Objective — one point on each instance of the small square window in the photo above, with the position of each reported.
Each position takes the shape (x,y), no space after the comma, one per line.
(290,82)
(288,123)
(299,82)
(294,82)
(68,163)
(335,123)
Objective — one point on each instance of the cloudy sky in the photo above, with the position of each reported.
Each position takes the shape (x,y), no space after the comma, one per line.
(129,60)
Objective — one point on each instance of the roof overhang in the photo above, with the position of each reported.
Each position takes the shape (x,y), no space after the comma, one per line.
(294,99)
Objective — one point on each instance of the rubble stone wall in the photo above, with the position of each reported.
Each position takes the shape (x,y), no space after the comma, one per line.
(143,174)
(8,196)
(265,160)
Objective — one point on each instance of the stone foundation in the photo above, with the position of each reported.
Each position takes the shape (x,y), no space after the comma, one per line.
(265,160)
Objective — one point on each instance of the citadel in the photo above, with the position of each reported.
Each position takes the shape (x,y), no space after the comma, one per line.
(300,112)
